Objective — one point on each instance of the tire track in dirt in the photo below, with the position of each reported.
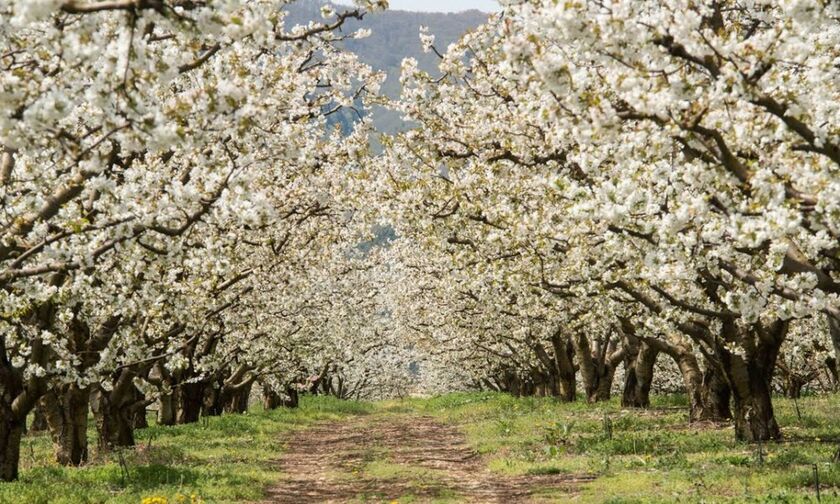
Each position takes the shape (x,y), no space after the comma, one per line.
(428,460)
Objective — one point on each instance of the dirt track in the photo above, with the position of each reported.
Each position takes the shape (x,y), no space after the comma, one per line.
(384,458)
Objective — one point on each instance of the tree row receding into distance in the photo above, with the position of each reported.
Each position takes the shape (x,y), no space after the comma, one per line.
(192,209)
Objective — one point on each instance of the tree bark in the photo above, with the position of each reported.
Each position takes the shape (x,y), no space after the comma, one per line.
(11,432)
(166,410)
(271,399)
(750,376)
(293,399)
(189,400)
(114,420)
(39,420)
(66,411)
(236,400)
(564,353)
(213,402)
(833,317)
(597,366)
(639,376)
(116,428)
(715,394)
(17,399)
(140,420)
(708,392)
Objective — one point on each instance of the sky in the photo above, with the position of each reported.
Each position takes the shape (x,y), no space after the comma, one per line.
(442,5)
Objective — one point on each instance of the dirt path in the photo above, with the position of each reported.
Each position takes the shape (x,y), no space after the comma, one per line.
(398,458)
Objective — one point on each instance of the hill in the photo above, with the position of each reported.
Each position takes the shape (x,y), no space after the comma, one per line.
(395,36)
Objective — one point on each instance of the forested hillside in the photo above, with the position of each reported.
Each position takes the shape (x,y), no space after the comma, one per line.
(395,36)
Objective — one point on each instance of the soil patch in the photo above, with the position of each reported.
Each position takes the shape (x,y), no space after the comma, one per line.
(393,457)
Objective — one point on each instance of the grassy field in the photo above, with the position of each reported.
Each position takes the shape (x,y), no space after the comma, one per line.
(653,455)
(636,456)
(223,459)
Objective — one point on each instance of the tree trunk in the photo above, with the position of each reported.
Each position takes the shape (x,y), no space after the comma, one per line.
(140,420)
(189,398)
(339,392)
(708,393)
(588,371)
(754,416)
(564,353)
(19,396)
(117,428)
(793,388)
(513,384)
(66,411)
(639,377)
(528,388)
(834,372)
(605,382)
(715,394)
(597,367)
(293,400)
(693,379)
(114,421)
(139,417)
(750,376)
(833,317)
(271,399)
(213,402)
(236,401)
(11,432)
(39,420)
(566,388)
(166,410)
(557,377)
(16,401)
(789,380)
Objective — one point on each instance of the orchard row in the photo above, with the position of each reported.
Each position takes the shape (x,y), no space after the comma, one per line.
(189,192)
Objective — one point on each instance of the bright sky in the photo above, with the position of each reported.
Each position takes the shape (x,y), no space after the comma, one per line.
(441,5)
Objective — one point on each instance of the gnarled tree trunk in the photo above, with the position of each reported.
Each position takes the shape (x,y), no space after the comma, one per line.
(564,355)
(166,410)
(236,400)
(213,402)
(114,420)
(708,392)
(750,375)
(558,376)
(715,394)
(66,411)
(638,375)
(140,421)
(189,398)
(17,399)
(271,399)
(597,366)
(11,432)
(293,399)
(18,396)
(39,420)
(116,427)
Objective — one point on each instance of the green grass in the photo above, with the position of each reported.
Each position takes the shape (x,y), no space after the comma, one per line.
(636,456)
(230,458)
(652,455)
(420,480)
(383,469)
